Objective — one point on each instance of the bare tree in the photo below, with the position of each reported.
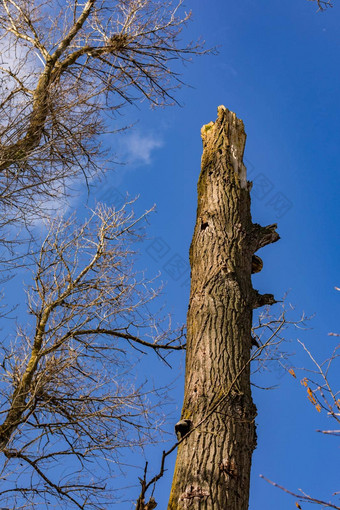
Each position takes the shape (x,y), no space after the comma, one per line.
(213,464)
(216,433)
(67,403)
(64,69)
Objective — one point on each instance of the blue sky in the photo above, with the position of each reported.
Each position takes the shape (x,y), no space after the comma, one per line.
(278,68)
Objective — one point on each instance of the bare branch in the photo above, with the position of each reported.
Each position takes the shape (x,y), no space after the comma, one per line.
(323,397)
(302,497)
(62,393)
(323,5)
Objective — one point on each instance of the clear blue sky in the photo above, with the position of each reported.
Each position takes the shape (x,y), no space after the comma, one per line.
(278,68)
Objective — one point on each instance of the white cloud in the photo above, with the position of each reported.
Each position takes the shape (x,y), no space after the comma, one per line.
(137,149)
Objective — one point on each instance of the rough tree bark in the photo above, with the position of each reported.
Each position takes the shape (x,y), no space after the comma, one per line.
(213,462)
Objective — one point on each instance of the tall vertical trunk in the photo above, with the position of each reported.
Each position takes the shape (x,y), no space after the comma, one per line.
(213,462)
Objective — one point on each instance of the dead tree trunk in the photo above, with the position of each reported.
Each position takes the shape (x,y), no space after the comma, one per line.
(213,462)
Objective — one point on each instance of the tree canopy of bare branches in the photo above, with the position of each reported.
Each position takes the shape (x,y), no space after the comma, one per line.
(66,399)
(63,67)
(68,405)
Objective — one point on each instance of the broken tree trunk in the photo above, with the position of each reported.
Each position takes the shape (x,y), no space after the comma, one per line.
(213,461)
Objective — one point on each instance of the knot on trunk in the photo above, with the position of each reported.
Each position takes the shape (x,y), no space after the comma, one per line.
(182,428)
(193,492)
(264,235)
(262,299)
(256,264)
